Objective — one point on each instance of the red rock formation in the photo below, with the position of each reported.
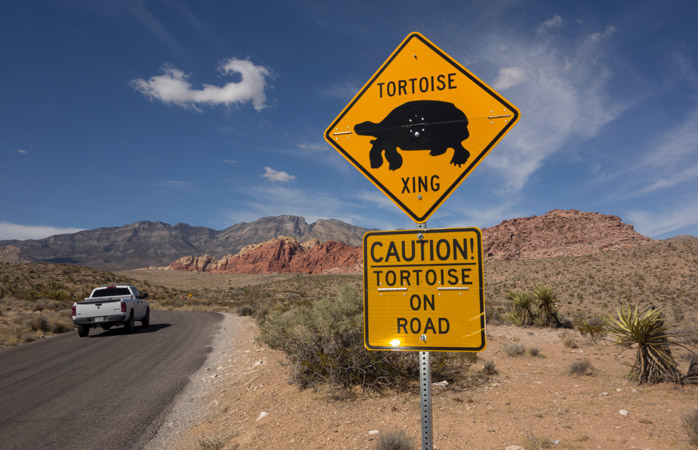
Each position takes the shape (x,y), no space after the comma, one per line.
(280,255)
(556,233)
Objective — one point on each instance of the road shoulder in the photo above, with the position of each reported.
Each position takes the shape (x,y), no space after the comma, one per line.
(190,406)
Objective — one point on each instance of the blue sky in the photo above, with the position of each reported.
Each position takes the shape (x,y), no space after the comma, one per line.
(213,113)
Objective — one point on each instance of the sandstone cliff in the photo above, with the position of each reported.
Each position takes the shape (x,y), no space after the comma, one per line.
(283,254)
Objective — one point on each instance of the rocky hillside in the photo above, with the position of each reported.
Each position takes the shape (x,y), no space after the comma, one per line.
(556,233)
(144,244)
(283,254)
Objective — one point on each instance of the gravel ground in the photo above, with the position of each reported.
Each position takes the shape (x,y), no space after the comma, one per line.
(189,407)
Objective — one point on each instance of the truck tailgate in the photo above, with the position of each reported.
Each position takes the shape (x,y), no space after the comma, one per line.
(99,310)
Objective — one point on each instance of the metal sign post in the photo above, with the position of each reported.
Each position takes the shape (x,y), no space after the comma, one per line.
(425,400)
(425,387)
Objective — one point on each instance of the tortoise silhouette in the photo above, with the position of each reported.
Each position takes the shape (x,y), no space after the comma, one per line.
(418,125)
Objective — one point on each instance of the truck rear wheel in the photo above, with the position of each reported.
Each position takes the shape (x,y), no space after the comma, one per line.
(83,330)
(130,324)
(145,323)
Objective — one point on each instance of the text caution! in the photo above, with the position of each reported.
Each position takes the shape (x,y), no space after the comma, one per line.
(424,290)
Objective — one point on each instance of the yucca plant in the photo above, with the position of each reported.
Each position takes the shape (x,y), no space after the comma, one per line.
(653,362)
(523,304)
(547,305)
(514,317)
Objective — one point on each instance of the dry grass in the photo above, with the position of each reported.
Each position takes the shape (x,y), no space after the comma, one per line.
(395,440)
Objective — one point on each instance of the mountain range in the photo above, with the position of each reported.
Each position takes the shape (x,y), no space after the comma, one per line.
(143,244)
(290,244)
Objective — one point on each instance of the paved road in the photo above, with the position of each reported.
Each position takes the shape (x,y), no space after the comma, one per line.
(107,391)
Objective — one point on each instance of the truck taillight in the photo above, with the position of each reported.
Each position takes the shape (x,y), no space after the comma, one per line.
(74,310)
(123,307)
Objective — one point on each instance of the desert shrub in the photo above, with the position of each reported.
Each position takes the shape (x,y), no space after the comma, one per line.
(539,442)
(649,331)
(514,349)
(324,342)
(60,323)
(394,440)
(493,316)
(489,368)
(533,351)
(687,333)
(579,368)
(594,327)
(245,310)
(39,323)
(690,424)
(210,444)
(568,338)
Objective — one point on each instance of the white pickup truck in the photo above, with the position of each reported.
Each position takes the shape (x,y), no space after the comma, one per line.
(111,305)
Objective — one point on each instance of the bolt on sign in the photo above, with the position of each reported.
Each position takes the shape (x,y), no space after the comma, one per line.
(424,290)
(420,125)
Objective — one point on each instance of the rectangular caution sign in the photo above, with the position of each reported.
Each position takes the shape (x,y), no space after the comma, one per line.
(424,290)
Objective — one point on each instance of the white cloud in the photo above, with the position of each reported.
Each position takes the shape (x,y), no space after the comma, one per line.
(554,22)
(172,87)
(272,175)
(229,161)
(509,77)
(178,185)
(670,159)
(21,232)
(313,147)
(598,36)
(663,222)
(565,99)
(673,146)
(682,176)
(22,151)
(376,198)
(342,91)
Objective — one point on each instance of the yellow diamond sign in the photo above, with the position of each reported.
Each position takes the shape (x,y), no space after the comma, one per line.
(420,125)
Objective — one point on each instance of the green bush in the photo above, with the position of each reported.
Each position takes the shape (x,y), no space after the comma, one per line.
(324,342)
